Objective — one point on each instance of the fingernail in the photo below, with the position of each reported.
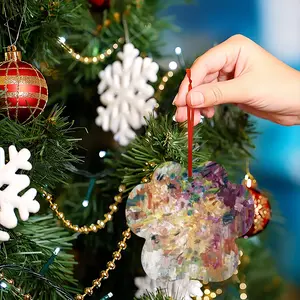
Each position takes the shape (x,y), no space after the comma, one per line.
(173,103)
(174,118)
(197,99)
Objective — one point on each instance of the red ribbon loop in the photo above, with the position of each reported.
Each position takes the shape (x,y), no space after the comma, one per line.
(190,119)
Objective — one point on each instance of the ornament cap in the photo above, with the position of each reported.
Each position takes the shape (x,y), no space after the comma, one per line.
(13,53)
(249,181)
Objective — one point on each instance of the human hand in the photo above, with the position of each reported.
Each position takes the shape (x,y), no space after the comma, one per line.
(240,72)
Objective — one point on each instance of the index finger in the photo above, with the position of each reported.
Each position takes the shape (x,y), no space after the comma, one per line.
(214,60)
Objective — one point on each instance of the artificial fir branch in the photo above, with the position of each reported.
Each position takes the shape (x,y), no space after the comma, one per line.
(43,23)
(164,140)
(227,139)
(159,295)
(31,245)
(50,143)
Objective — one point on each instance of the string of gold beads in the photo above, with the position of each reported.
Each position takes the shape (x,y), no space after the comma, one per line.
(18,289)
(149,166)
(111,265)
(100,224)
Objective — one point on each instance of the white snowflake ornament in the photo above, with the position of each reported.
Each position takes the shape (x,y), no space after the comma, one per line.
(126,93)
(15,183)
(183,289)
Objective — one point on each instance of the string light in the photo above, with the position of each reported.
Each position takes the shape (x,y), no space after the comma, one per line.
(102,154)
(108,296)
(62,39)
(206,291)
(90,59)
(219,291)
(243,286)
(180,58)
(85,203)
(178,50)
(163,82)
(173,65)
(3,285)
(50,261)
(7,284)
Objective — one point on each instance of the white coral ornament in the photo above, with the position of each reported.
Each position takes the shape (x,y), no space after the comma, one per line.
(183,289)
(126,93)
(15,183)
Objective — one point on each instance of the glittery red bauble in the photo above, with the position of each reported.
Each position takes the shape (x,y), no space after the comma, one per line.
(26,90)
(97,2)
(100,3)
(262,212)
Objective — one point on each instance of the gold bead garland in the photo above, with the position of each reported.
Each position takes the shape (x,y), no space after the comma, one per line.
(149,166)
(100,224)
(96,283)
(91,59)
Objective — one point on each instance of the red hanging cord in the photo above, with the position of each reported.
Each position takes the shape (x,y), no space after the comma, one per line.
(190,119)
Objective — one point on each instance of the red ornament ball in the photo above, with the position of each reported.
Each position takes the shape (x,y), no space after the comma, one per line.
(97,2)
(262,212)
(102,4)
(26,90)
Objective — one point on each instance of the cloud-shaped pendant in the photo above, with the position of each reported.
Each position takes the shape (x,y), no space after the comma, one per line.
(190,224)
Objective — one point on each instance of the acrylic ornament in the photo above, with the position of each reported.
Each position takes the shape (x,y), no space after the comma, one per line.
(190,225)
(26,90)
(15,183)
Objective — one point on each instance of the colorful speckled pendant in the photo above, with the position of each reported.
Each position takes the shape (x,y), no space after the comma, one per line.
(190,225)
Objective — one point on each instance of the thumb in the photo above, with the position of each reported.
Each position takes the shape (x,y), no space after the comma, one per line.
(211,94)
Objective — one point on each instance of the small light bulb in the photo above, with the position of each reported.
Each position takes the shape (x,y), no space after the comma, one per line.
(102,154)
(173,65)
(85,203)
(178,50)
(206,291)
(243,286)
(56,251)
(3,285)
(62,39)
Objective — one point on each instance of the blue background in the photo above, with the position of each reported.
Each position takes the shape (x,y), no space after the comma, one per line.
(277,164)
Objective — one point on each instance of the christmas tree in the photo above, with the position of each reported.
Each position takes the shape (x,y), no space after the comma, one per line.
(84,156)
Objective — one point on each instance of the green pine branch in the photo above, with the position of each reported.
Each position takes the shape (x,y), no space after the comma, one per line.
(159,295)
(164,140)
(227,139)
(43,23)
(51,145)
(31,245)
